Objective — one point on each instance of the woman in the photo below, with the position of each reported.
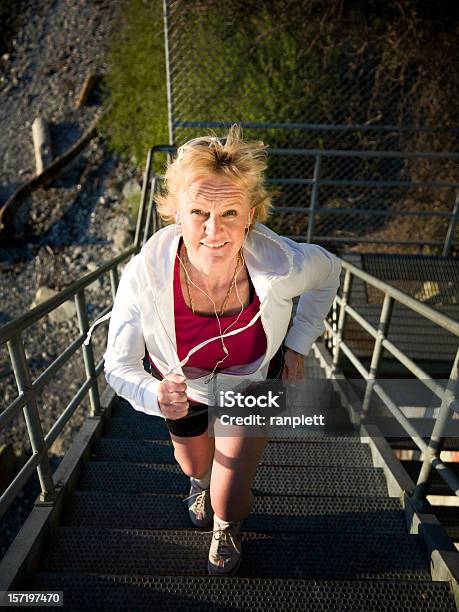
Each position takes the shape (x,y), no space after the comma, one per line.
(211,296)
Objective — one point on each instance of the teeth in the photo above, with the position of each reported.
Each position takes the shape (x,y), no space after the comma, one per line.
(213,246)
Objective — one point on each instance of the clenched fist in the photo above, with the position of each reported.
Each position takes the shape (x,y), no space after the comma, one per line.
(172,398)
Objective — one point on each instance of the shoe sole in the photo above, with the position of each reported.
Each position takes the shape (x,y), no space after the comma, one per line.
(231,573)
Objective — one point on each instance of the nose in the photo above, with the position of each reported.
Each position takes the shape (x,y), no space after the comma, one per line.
(213,225)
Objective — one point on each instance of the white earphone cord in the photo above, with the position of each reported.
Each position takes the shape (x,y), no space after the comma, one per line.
(221,334)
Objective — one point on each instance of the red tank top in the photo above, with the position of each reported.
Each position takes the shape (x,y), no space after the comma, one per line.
(191,329)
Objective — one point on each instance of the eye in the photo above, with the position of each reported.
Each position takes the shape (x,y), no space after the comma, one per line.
(230,213)
(197,211)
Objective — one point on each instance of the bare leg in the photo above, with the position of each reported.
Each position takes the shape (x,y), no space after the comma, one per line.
(194,455)
(234,468)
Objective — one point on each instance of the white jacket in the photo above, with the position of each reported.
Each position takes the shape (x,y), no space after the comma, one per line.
(143,311)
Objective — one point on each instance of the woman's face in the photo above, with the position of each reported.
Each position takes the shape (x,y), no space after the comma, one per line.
(214,213)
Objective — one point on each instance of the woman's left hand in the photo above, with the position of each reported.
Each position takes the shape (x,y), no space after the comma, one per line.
(293,366)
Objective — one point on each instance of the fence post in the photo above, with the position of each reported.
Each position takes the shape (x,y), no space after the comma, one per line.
(314,198)
(88,355)
(436,440)
(342,317)
(452,227)
(169,69)
(32,418)
(383,328)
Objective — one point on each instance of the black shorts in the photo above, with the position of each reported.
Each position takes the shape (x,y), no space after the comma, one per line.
(193,424)
(197,420)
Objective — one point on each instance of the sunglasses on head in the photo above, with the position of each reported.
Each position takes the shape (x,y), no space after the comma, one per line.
(200,141)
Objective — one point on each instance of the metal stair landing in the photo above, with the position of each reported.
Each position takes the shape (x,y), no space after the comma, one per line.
(322,535)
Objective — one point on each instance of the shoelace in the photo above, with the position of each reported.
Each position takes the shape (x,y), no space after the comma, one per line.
(223,547)
(199,503)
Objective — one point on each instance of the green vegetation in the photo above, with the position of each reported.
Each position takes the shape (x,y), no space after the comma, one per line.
(336,62)
(136,81)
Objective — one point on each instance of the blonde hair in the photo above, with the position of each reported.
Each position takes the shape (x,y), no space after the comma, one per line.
(242,162)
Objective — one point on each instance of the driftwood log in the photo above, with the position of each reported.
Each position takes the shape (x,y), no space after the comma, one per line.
(12,204)
(41,144)
(88,84)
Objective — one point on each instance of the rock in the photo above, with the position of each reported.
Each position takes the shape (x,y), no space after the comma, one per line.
(131,189)
(122,238)
(64,312)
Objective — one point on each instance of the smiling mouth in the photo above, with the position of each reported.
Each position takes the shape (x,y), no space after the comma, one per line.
(214,245)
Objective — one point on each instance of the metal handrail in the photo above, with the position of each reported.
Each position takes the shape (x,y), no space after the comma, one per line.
(11,334)
(314,126)
(449,396)
(316,182)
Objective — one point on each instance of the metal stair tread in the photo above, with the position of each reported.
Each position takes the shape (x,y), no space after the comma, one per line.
(184,594)
(184,552)
(141,477)
(279,453)
(273,513)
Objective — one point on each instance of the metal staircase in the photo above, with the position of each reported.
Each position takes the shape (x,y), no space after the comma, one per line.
(323,533)
(338,523)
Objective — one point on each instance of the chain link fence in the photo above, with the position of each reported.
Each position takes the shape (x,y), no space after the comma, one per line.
(302,77)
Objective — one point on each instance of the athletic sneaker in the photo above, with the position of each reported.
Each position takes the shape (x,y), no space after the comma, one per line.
(225,549)
(199,506)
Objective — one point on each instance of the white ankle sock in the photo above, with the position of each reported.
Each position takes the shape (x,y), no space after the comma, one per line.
(223,523)
(204,482)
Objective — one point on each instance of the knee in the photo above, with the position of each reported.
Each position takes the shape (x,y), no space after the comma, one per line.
(196,467)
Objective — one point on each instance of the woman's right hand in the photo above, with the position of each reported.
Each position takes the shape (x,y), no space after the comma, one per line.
(172,397)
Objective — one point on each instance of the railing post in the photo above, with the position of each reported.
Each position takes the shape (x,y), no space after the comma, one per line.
(437,438)
(88,354)
(143,198)
(383,328)
(347,285)
(32,418)
(452,227)
(314,198)
(149,209)
(114,281)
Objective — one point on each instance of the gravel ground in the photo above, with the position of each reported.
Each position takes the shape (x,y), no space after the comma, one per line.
(67,227)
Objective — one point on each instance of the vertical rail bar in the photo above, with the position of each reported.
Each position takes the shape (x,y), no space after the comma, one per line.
(114,281)
(383,329)
(88,355)
(169,58)
(451,228)
(347,285)
(314,198)
(143,199)
(148,220)
(32,417)
(436,440)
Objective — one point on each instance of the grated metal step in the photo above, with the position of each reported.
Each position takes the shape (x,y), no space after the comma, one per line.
(287,555)
(276,453)
(161,478)
(148,427)
(199,594)
(276,513)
